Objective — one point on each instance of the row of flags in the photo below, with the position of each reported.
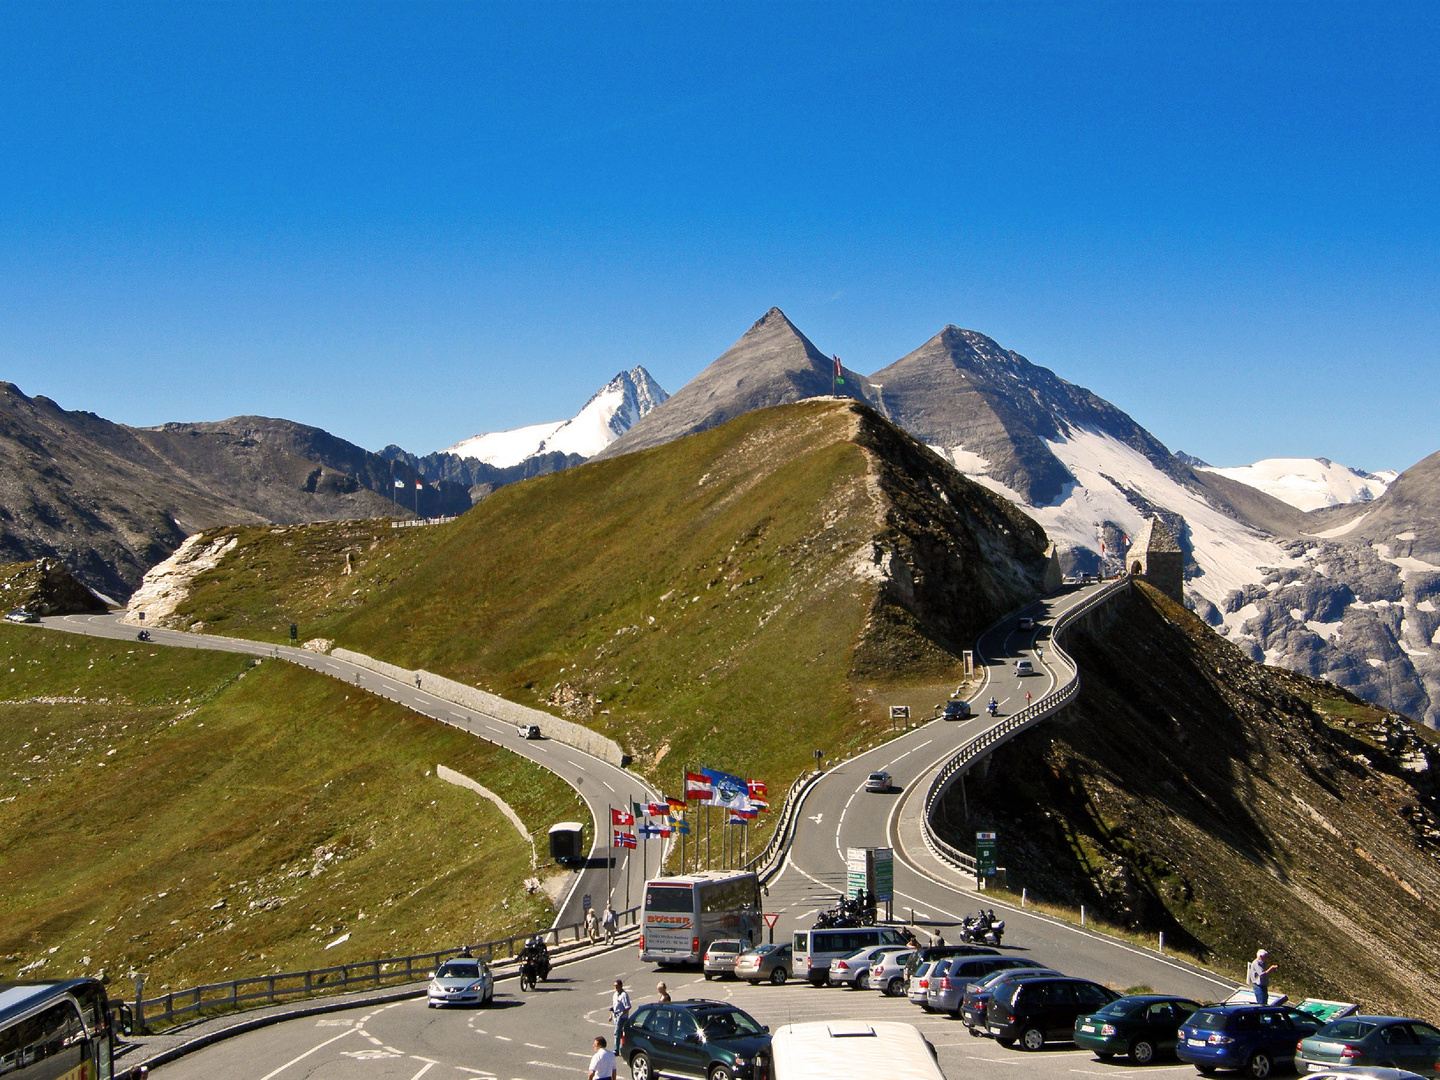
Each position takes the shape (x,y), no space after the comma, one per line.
(744,799)
(418,485)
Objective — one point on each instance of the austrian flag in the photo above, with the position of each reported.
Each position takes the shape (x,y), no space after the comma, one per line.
(697,786)
(621,817)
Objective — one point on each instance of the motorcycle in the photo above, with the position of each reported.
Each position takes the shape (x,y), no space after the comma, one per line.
(847,913)
(529,972)
(993,708)
(144,635)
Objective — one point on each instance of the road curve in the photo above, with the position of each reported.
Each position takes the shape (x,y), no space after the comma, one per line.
(598,782)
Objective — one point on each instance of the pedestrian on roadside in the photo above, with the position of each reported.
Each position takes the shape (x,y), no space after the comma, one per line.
(1257,975)
(602,1062)
(939,940)
(620,1009)
(664,994)
(592,925)
(610,922)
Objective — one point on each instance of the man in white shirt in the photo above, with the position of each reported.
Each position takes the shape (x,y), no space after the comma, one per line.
(1258,976)
(602,1062)
(619,1009)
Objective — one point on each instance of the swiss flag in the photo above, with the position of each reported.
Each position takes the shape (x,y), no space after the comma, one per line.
(621,817)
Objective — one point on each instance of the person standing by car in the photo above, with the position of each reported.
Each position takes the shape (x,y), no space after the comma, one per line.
(602,1062)
(1258,976)
(619,1009)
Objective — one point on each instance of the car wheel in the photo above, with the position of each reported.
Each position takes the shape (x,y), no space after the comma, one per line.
(1104,1055)
(721,1072)
(1258,1067)
(892,988)
(430,1004)
(974,1032)
(753,982)
(1007,1043)
(709,975)
(1143,1052)
(1032,1038)
(640,1066)
(1205,1070)
(863,982)
(778,976)
(817,981)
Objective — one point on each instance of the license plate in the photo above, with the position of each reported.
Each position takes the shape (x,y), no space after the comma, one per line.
(1087,1027)
(1194,1042)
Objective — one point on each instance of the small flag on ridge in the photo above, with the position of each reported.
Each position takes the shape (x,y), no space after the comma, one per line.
(839,374)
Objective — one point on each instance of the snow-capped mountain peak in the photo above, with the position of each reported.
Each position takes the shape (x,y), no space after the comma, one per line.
(611,412)
(1310,483)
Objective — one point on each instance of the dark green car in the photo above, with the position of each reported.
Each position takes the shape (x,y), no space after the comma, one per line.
(1142,1025)
(699,1040)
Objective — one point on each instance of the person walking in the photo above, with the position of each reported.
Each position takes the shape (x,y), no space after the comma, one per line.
(664,994)
(602,1062)
(620,1009)
(1258,976)
(610,922)
(592,925)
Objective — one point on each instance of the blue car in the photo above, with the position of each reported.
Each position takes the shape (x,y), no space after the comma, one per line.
(1254,1039)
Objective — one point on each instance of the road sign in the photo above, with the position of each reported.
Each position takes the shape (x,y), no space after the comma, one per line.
(294,631)
(985,843)
(859,864)
(969,663)
(585,902)
(899,712)
(771,918)
(884,887)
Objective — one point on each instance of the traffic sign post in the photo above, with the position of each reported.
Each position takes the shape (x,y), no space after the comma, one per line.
(985,844)
(770,920)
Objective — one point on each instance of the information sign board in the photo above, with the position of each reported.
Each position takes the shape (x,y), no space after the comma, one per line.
(884,887)
(859,862)
(985,854)
(899,712)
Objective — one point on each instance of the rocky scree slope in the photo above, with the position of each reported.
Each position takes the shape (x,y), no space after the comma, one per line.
(693,602)
(1232,806)
(45,587)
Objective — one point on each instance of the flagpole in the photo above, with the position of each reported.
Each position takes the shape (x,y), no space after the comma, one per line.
(609,850)
(687,807)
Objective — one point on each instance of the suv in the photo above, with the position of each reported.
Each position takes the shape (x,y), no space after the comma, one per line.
(942,952)
(692,1038)
(975,997)
(528,731)
(1035,1011)
(1255,1038)
(949,978)
(720,958)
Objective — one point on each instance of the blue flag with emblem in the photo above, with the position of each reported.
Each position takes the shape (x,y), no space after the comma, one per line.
(729,791)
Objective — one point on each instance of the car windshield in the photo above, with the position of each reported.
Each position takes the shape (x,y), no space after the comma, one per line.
(764,950)
(724,946)
(1122,1008)
(1345,1029)
(724,1025)
(459,969)
(1207,1018)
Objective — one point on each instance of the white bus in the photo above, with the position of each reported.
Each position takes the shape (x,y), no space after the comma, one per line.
(843,1049)
(682,915)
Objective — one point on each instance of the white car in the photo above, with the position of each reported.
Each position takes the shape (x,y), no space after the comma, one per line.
(888,973)
(463,980)
(21,615)
(1024,667)
(528,731)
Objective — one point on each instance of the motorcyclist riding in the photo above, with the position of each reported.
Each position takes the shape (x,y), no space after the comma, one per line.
(993,707)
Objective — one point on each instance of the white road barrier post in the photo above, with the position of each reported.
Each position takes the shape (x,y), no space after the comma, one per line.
(1082,914)
(1023,893)
(1162,942)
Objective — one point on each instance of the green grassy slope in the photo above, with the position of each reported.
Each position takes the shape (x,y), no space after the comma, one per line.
(195,817)
(1233,806)
(737,598)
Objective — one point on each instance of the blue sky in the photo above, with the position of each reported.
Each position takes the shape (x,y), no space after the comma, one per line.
(412,222)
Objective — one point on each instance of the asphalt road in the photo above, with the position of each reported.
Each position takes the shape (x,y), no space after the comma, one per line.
(599,783)
(541,1035)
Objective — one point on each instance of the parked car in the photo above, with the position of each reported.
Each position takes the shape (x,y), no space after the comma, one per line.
(1036,1011)
(949,979)
(878,781)
(955,709)
(918,985)
(1389,1041)
(692,1038)
(1024,667)
(1364,1072)
(528,731)
(1026,623)
(1256,1038)
(888,973)
(815,949)
(720,956)
(976,995)
(771,962)
(940,952)
(1142,1025)
(854,970)
(21,615)
(463,980)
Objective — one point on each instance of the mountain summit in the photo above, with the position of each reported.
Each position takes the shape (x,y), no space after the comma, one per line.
(773,363)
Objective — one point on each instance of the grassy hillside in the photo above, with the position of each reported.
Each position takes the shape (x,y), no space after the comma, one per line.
(737,598)
(196,817)
(1233,806)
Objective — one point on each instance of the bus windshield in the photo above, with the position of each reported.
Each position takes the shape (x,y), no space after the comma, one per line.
(670,898)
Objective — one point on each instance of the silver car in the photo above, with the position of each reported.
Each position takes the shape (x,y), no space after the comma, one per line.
(920,983)
(949,978)
(888,973)
(464,980)
(771,962)
(854,970)
(720,958)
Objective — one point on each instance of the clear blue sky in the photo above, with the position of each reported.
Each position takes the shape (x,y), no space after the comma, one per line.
(412,222)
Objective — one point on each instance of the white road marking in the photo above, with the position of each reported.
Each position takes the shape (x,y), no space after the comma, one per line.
(504,1038)
(536,1046)
(607,784)
(817,818)
(424,1069)
(552,1065)
(307,1053)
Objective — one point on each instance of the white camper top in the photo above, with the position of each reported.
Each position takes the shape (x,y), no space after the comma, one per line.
(845,1049)
(567,826)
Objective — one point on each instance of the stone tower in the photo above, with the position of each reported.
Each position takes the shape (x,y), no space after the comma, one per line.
(1155,558)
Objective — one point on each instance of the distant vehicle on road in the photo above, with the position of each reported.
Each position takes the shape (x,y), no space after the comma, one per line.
(1024,667)
(1255,1038)
(682,915)
(720,958)
(21,615)
(528,731)
(1143,1026)
(567,842)
(878,781)
(1390,1041)
(1026,623)
(771,962)
(463,980)
(955,709)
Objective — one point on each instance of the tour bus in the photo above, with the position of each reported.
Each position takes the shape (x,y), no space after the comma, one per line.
(843,1049)
(59,1030)
(682,915)
(814,949)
